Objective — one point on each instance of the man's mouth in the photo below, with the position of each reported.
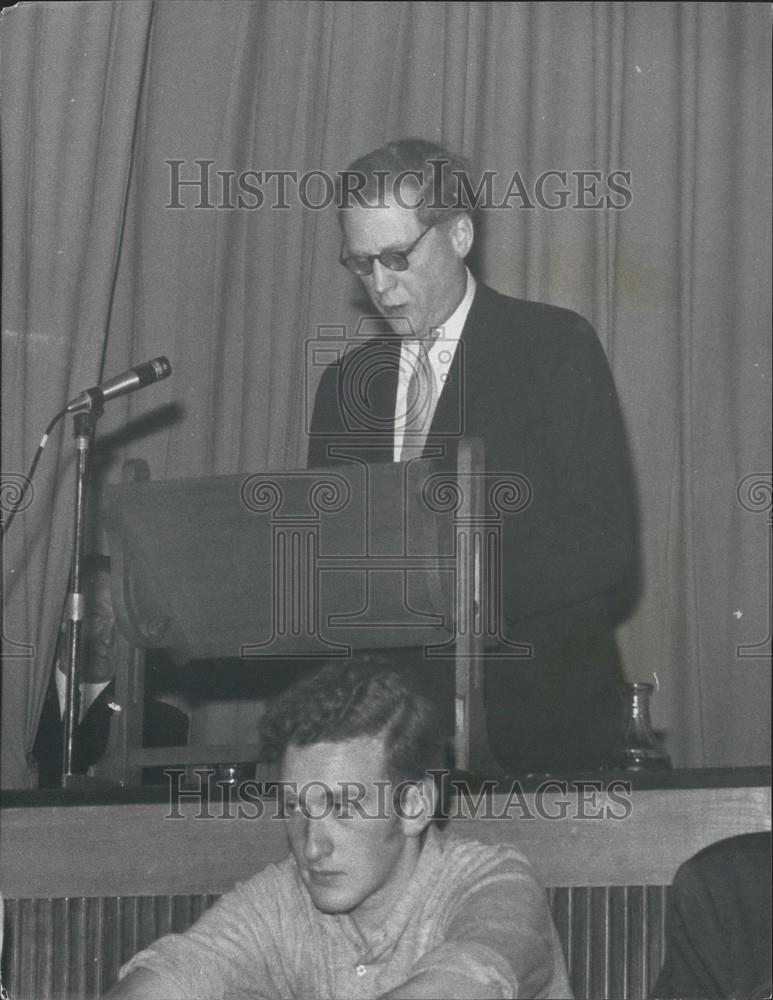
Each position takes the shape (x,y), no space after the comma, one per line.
(322,878)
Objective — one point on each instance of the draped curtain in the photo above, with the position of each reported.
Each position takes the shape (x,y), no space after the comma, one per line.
(107,106)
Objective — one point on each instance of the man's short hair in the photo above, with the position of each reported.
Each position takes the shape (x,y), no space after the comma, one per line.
(361,696)
(424,174)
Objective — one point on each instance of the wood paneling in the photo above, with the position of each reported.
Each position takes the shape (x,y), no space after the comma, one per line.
(204,847)
(73,948)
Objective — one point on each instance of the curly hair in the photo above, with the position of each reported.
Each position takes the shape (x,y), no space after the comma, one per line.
(362,696)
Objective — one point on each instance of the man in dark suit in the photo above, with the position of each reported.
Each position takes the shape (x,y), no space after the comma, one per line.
(532,382)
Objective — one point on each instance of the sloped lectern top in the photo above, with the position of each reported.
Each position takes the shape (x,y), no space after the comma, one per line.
(283,564)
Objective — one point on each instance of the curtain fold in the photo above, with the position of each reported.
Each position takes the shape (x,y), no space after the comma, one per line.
(71,79)
(97,109)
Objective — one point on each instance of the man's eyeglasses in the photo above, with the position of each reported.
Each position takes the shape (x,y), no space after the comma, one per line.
(395,260)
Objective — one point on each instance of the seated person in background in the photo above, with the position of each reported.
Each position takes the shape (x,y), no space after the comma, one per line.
(374,901)
(166,718)
(718,923)
(95,688)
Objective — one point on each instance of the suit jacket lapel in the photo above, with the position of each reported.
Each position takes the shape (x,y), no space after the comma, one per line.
(450,413)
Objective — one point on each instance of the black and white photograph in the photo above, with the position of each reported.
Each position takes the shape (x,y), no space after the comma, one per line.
(386,500)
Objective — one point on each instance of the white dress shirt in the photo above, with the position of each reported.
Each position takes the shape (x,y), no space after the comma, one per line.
(440,351)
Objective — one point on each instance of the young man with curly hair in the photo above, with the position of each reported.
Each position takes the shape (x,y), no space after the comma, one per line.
(374,900)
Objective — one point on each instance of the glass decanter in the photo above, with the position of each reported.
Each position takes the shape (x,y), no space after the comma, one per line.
(636,747)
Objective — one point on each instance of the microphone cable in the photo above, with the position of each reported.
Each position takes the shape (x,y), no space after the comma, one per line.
(27,481)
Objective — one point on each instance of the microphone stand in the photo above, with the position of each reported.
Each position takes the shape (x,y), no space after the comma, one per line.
(84,425)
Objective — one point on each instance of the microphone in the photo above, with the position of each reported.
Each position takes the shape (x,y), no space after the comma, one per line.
(119,385)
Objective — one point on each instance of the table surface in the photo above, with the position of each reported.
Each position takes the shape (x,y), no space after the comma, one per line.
(97,793)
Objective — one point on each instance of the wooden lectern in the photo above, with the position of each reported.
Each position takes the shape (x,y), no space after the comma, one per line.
(311,564)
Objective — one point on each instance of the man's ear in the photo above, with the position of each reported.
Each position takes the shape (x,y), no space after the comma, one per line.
(415,804)
(462,235)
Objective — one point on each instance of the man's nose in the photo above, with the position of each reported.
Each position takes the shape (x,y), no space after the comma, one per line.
(317,843)
(382,277)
